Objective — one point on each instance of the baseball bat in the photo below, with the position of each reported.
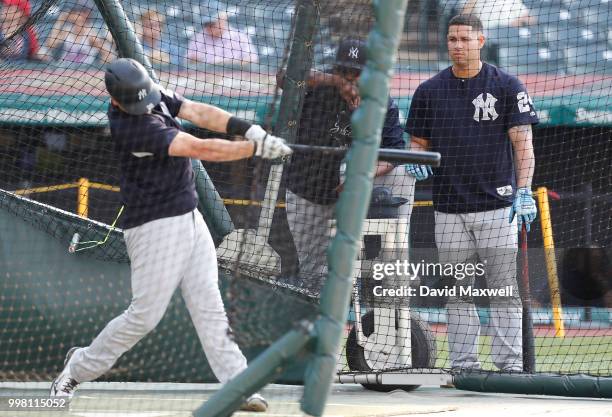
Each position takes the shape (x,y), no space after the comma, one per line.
(389,155)
(529,364)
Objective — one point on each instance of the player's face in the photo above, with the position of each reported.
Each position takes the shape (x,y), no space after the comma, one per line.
(464,45)
(351,75)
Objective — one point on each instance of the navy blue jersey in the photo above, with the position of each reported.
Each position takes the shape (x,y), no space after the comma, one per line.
(326,121)
(467,121)
(153,184)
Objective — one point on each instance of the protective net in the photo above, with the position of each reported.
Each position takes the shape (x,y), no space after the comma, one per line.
(61,178)
(71,196)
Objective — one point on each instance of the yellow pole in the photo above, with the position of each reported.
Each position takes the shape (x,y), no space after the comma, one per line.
(83,197)
(551,261)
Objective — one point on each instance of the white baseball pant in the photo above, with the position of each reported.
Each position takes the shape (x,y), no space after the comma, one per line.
(459,237)
(166,254)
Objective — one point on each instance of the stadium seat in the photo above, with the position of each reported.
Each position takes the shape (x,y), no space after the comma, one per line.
(552,12)
(569,33)
(512,36)
(592,12)
(590,59)
(531,59)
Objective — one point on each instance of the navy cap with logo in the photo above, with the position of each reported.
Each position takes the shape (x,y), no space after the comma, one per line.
(351,54)
(129,83)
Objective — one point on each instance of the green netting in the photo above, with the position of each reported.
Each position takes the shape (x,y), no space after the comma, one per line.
(54,135)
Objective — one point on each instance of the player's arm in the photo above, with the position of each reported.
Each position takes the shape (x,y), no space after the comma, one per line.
(392,137)
(213,150)
(205,116)
(524,159)
(315,79)
(524,206)
(260,143)
(418,144)
(347,89)
(420,172)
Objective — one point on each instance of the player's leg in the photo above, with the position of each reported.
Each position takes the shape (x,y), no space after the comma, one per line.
(498,242)
(456,244)
(158,251)
(309,224)
(200,289)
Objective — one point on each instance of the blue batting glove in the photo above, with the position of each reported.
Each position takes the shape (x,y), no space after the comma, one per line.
(524,207)
(420,172)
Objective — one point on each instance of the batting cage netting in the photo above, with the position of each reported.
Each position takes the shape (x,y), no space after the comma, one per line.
(97,199)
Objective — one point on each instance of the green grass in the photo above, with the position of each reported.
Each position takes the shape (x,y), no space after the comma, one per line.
(568,355)
(576,354)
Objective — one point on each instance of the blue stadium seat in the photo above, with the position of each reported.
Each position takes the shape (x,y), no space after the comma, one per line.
(592,12)
(597,16)
(569,34)
(590,59)
(512,36)
(531,59)
(552,13)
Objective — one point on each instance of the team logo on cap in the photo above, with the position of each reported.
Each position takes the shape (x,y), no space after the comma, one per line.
(142,94)
(354,52)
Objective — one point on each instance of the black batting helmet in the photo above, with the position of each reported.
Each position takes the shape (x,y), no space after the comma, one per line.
(129,83)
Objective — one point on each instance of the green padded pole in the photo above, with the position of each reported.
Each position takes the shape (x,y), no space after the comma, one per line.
(352,207)
(298,69)
(536,384)
(123,32)
(210,203)
(262,370)
(267,365)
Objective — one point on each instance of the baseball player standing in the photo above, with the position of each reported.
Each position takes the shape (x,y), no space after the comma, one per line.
(167,240)
(314,180)
(479,118)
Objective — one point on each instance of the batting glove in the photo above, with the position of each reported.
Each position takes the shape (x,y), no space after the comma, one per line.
(267,146)
(524,207)
(420,172)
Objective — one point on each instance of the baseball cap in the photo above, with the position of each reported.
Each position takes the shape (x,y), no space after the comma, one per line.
(22,5)
(351,54)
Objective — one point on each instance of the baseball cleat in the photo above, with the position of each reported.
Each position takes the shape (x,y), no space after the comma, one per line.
(255,403)
(64,385)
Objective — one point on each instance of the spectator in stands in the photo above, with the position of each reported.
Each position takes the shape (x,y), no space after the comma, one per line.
(219,43)
(494,13)
(16,46)
(159,51)
(73,38)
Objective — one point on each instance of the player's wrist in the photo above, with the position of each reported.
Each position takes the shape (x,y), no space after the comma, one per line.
(524,190)
(237,126)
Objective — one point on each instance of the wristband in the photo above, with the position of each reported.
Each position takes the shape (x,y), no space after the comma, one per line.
(237,126)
